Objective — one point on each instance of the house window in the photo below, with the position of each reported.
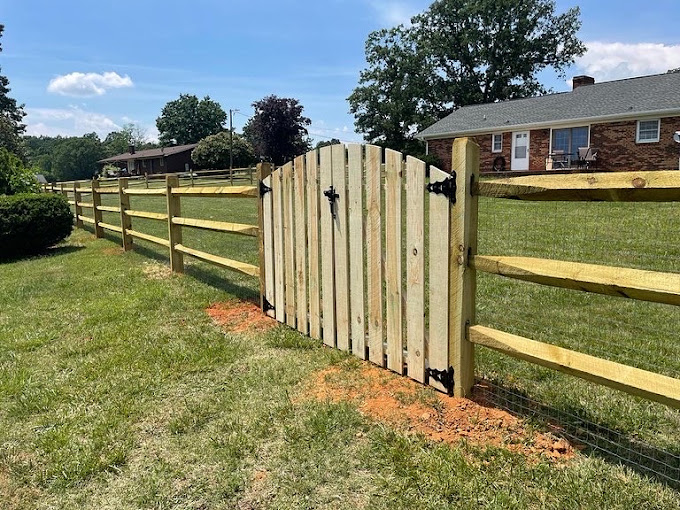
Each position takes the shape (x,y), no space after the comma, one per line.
(566,142)
(162,161)
(497,142)
(648,131)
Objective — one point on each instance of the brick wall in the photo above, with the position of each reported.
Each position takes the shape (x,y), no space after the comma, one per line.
(615,142)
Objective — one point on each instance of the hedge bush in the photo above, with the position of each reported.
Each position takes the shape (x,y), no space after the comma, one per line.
(30,223)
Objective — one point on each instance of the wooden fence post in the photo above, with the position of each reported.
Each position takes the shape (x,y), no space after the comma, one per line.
(174,231)
(146,180)
(463,239)
(125,220)
(264,170)
(96,213)
(77,198)
(63,191)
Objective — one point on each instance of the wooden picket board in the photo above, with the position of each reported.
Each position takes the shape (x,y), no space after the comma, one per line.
(374,254)
(393,276)
(277,221)
(301,245)
(313,242)
(415,268)
(341,247)
(268,234)
(355,171)
(438,256)
(288,242)
(327,255)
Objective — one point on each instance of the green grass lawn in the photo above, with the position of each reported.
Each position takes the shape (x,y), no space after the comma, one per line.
(118,391)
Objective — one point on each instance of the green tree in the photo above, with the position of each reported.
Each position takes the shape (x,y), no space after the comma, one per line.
(76,157)
(11,117)
(278,130)
(457,53)
(213,152)
(14,177)
(40,152)
(188,120)
(118,142)
(326,143)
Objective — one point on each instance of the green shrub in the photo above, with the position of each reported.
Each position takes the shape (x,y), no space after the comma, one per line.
(30,223)
(14,177)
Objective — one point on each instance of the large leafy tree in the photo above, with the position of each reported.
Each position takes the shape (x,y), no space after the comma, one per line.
(278,130)
(11,116)
(457,53)
(118,142)
(188,120)
(213,152)
(76,157)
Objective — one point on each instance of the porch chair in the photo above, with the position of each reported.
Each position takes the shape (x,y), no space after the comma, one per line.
(587,157)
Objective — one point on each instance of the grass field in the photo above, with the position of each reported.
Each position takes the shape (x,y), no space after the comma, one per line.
(117,390)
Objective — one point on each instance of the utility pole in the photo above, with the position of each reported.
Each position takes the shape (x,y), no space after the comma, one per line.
(231,146)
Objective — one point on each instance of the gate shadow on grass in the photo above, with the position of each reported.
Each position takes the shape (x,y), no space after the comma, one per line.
(580,428)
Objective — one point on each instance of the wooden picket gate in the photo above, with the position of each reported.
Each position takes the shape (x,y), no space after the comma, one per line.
(344,262)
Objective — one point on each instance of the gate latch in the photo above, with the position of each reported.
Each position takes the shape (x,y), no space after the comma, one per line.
(447,187)
(445,377)
(332,196)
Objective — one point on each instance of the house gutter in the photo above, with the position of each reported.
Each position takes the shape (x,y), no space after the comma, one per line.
(554,124)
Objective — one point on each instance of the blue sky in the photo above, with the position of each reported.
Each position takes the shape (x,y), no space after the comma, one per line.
(83,66)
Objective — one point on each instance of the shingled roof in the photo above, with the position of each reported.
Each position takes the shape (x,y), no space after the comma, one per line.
(149,153)
(647,95)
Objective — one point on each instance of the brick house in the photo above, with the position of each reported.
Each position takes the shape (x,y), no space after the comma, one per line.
(627,124)
(165,160)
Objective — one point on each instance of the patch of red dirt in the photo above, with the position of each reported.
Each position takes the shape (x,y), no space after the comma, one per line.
(407,405)
(240,317)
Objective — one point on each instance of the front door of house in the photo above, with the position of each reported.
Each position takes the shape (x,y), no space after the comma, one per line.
(520,151)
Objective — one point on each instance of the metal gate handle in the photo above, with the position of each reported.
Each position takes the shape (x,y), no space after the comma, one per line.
(332,196)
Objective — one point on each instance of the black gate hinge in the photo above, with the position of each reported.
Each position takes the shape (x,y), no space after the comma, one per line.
(332,196)
(266,305)
(445,377)
(447,187)
(264,189)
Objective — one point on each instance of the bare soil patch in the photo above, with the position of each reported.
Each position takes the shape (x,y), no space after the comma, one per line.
(156,271)
(408,406)
(240,317)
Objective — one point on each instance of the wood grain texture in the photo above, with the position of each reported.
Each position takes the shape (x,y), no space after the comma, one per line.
(150,238)
(462,278)
(355,198)
(277,221)
(341,248)
(218,191)
(327,253)
(621,377)
(415,268)
(438,288)
(300,183)
(268,235)
(174,231)
(288,242)
(393,276)
(649,186)
(78,210)
(263,171)
(610,281)
(218,226)
(125,220)
(96,212)
(313,213)
(374,255)
(147,215)
(234,265)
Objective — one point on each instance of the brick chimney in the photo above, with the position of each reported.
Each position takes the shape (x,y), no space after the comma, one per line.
(582,81)
(131,149)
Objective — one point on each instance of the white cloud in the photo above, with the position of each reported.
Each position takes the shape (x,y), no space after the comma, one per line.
(614,61)
(394,13)
(72,121)
(87,84)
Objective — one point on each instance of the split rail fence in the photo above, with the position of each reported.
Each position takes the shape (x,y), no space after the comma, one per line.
(359,250)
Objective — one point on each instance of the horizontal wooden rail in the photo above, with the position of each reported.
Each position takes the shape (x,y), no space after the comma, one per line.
(208,191)
(638,382)
(84,190)
(651,186)
(143,191)
(108,226)
(610,281)
(234,265)
(150,238)
(108,191)
(147,215)
(107,208)
(72,202)
(86,205)
(86,219)
(218,226)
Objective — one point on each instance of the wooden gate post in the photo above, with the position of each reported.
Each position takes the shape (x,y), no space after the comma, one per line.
(96,212)
(463,239)
(77,198)
(125,220)
(264,170)
(174,231)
